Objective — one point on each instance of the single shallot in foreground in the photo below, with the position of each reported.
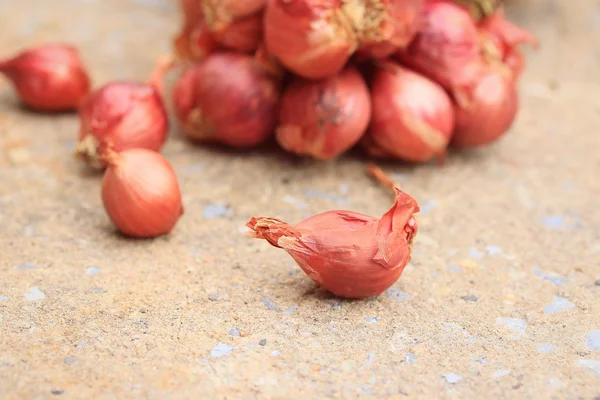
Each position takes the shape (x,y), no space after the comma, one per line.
(324,118)
(350,254)
(123,115)
(48,78)
(140,193)
(229,98)
(412,118)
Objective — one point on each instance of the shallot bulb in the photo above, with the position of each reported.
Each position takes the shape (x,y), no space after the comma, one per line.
(503,41)
(383,26)
(412,117)
(312,38)
(121,116)
(324,118)
(228,98)
(446,48)
(140,193)
(48,78)
(491,113)
(349,254)
(235,24)
(194,41)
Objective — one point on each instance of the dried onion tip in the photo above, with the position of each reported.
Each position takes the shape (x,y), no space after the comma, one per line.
(51,77)
(383,26)
(502,40)
(312,38)
(446,48)
(413,117)
(121,116)
(490,114)
(229,98)
(349,254)
(140,193)
(324,118)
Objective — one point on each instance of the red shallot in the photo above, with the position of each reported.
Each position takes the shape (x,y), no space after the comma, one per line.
(228,98)
(491,113)
(412,115)
(324,118)
(312,38)
(349,254)
(51,77)
(383,26)
(504,39)
(140,193)
(446,48)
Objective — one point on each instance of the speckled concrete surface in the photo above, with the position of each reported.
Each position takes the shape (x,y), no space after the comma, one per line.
(502,299)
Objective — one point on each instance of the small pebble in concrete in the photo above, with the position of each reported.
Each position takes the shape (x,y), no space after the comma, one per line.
(514,324)
(269,304)
(558,304)
(469,298)
(93,271)
(216,211)
(34,294)
(592,365)
(452,377)
(220,350)
(545,348)
(593,340)
(263,342)
(70,360)
(234,332)
(397,294)
(500,373)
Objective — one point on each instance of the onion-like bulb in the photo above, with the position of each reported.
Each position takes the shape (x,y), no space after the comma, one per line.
(446,48)
(312,38)
(324,118)
(229,98)
(490,114)
(412,117)
(140,193)
(50,78)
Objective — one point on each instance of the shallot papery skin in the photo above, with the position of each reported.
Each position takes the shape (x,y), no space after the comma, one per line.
(491,113)
(225,11)
(312,38)
(194,40)
(121,116)
(243,34)
(413,117)
(383,26)
(51,77)
(349,254)
(505,38)
(446,47)
(324,118)
(141,194)
(229,98)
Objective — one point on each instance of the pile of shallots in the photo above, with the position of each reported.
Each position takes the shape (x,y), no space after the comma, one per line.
(402,79)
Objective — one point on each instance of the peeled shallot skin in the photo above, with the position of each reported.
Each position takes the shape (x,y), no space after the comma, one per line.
(413,117)
(491,113)
(50,78)
(446,47)
(121,116)
(141,194)
(312,38)
(324,118)
(349,254)
(229,98)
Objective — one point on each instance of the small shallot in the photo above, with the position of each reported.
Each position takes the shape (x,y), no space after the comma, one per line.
(412,115)
(140,193)
(383,26)
(446,48)
(349,254)
(312,38)
(491,113)
(120,116)
(324,118)
(51,77)
(229,98)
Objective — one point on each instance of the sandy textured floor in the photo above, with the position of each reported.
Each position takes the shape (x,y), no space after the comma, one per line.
(502,299)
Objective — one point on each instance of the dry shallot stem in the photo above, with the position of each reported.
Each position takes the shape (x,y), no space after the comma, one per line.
(165,63)
(382,178)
